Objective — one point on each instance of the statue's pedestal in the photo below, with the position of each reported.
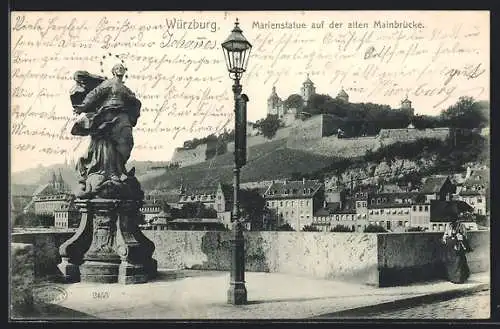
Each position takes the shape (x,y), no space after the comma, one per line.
(108,246)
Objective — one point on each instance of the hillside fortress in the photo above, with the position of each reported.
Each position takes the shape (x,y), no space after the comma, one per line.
(316,133)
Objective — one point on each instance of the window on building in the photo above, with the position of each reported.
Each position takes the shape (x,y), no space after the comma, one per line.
(281,203)
(426,208)
(307,202)
(337,217)
(419,208)
(381,211)
(400,223)
(388,225)
(479,200)
(480,211)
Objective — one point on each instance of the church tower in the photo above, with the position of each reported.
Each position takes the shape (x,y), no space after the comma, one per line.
(61,186)
(53,181)
(274,104)
(307,90)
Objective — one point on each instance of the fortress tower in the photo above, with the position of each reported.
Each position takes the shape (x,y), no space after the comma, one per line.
(275,104)
(406,106)
(342,95)
(307,90)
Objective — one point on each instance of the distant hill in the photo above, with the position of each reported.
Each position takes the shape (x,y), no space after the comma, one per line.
(265,162)
(41,175)
(23,180)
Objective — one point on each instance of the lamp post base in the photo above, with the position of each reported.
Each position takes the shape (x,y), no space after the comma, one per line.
(237,294)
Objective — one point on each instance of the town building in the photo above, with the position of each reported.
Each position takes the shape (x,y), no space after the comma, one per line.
(441,214)
(150,209)
(438,188)
(204,195)
(420,215)
(295,202)
(391,210)
(50,197)
(224,203)
(68,216)
(475,189)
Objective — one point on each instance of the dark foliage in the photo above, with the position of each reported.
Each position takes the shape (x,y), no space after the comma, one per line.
(269,126)
(374,229)
(341,228)
(285,227)
(310,228)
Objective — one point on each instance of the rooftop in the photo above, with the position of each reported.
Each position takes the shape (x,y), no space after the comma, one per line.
(293,189)
(433,184)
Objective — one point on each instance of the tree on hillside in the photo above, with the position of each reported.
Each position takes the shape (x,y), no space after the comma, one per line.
(253,207)
(466,113)
(294,101)
(269,126)
(196,210)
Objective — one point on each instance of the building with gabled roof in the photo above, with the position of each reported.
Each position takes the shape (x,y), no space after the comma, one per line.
(295,202)
(438,188)
(475,191)
(50,197)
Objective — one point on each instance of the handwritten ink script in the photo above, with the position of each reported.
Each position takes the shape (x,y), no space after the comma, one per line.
(176,67)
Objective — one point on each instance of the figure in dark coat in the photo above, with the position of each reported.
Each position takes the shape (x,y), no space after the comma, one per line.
(456,245)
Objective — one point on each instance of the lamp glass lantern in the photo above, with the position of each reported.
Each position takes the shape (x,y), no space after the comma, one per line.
(236,50)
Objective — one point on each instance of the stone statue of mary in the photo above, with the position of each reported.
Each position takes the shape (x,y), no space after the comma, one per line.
(107,112)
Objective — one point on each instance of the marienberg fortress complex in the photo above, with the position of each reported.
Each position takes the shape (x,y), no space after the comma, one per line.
(315,133)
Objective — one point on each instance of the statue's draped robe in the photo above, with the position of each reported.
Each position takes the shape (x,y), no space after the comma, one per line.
(110,111)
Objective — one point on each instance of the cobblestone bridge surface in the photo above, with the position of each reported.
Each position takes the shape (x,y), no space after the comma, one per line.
(470,306)
(476,306)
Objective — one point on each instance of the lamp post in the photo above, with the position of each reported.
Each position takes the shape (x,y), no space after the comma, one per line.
(236,53)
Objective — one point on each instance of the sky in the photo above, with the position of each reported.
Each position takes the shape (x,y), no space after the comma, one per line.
(176,67)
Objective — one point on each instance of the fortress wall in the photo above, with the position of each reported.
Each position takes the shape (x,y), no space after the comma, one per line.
(390,136)
(333,146)
(257,140)
(190,157)
(310,129)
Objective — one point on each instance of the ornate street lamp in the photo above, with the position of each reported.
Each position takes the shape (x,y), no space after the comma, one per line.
(236,53)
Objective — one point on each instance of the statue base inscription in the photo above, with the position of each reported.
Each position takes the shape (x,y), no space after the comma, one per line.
(108,247)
